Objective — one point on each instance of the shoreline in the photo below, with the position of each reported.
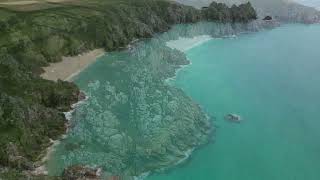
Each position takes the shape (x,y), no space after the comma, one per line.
(56,71)
(42,169)
(184,44)
(89,58)
(192,43)
(71,66)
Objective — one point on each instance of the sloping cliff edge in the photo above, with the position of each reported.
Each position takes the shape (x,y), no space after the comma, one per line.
(286,11)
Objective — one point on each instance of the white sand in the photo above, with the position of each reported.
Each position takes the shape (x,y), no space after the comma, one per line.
(71,66)
(185,44)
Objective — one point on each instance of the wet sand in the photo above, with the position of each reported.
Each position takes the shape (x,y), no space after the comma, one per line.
(71,66)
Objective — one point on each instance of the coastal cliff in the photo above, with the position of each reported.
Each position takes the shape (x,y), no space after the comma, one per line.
(31,107)
(282,10)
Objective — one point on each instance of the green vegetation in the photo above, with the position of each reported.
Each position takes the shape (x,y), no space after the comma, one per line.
(221,12)
(30,107)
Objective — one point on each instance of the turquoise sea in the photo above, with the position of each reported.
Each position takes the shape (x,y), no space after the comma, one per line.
(271,78)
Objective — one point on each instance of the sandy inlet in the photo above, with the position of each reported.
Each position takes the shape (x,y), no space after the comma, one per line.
(71,66)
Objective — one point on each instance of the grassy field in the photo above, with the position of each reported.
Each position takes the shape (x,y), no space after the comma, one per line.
(31,5)
(34,5)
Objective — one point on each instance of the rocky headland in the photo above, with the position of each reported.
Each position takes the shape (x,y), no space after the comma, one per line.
(285,11)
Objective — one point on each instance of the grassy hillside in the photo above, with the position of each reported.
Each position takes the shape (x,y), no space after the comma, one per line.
(33,34)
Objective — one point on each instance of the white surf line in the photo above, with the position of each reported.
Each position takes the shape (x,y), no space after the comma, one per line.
(184,44)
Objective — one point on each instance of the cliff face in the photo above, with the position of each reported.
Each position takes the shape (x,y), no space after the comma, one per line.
(283,10)
(30,107)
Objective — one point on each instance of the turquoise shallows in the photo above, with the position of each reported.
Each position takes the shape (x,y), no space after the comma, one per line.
(271,79)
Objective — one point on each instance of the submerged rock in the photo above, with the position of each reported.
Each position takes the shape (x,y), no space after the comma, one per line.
(233,118)
(72,146)
(81,96)
(81,173)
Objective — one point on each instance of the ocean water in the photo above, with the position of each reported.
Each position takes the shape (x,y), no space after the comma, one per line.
(271,79)
(139,119)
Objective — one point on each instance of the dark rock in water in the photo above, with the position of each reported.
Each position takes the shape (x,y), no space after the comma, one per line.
(81,173)
(72,146)
(233,118)
(267,18)
(286,11)
(81,96)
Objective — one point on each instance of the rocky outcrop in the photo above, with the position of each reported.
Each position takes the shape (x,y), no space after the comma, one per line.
(221,12)
(281,10)
(267,18)
(81,173)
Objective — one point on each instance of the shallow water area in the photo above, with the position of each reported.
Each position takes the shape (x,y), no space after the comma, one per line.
(135,122)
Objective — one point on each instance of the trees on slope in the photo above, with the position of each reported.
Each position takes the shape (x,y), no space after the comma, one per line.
(221,12)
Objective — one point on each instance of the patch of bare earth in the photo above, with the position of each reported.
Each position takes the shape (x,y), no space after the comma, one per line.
(14,3)
(31,5)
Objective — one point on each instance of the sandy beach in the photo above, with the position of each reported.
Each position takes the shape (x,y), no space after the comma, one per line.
(184,44)
(71,66)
